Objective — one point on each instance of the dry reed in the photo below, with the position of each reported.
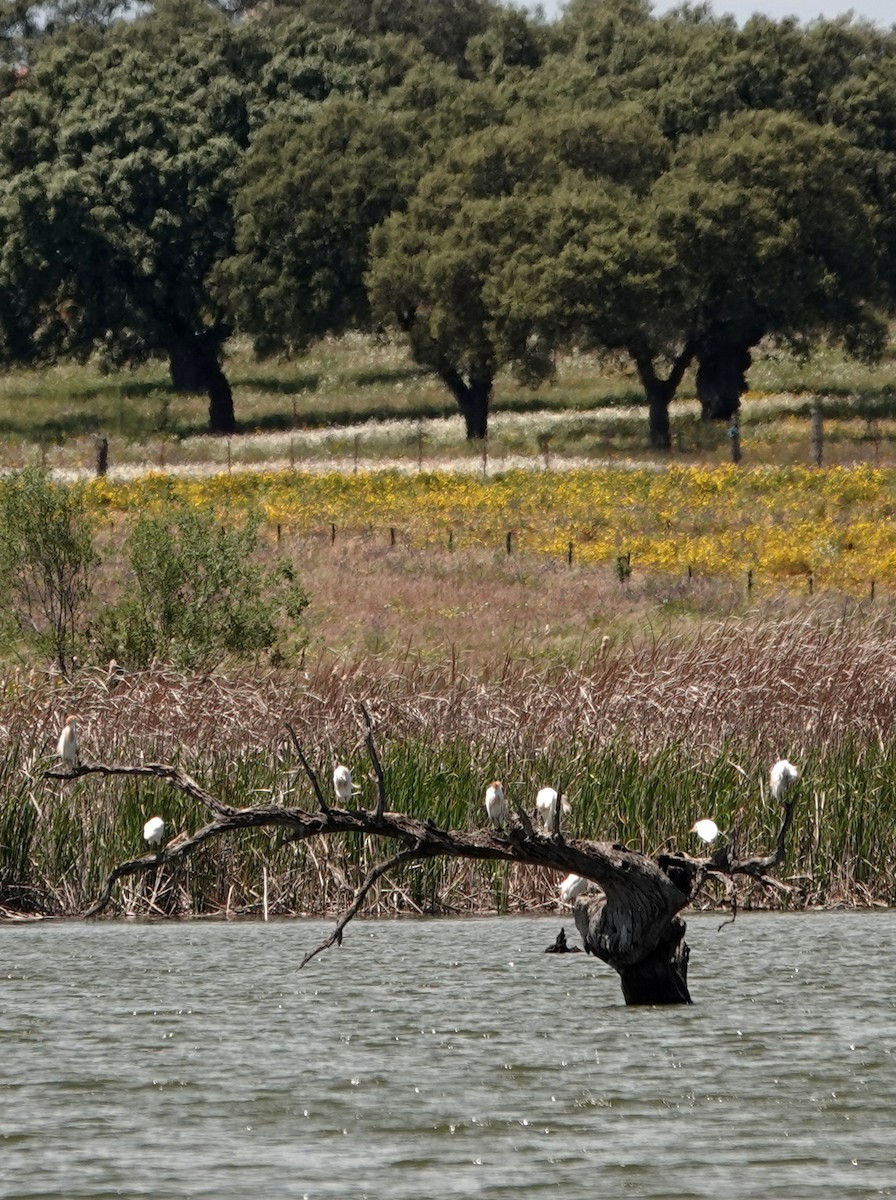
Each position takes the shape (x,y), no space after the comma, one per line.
(644,737)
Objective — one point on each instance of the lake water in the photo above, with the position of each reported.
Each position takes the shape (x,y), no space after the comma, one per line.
(433,1059)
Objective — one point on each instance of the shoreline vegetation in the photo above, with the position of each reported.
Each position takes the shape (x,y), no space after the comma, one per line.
(644,738)
(707,621)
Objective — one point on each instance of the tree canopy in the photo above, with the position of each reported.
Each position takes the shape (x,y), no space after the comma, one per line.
(494,187)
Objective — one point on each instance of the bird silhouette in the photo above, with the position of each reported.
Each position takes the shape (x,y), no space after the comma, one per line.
(342,783)
(706,830)
(546,807)
(495,804)
(67,746)
(154,831)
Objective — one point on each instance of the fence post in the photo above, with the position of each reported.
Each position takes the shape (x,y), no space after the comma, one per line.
(816,432)
(102,455)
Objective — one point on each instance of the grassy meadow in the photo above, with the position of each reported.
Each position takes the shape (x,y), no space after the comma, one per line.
(567,607)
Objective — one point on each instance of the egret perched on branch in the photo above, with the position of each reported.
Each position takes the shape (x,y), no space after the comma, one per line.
(495,804)
(546,807)
(782,777)
(342,783)
(154,831)
(706,830)
(572,886)
(67,746)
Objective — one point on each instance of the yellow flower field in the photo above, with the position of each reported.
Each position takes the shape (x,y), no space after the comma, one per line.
(784,524)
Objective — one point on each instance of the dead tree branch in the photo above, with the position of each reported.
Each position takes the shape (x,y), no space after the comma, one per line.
(632,923)
(375,761)
(309,770)
(335,938)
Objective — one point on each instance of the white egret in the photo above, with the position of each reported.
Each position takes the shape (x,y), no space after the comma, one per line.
(67,746)
(572,886)
(706,830)
(495,804)
(546,807)
(154,831)
(782,777)
(342,783)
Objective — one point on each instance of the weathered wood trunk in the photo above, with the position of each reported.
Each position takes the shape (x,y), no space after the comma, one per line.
(635,930)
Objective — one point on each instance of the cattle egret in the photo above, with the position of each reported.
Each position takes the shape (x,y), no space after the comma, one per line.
(706,830)
(495,804)
(782,777)
(342,783)
(572,886)
(546,807)
(154,831)
(67,746)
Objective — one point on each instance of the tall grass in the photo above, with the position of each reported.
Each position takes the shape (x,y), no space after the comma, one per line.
(364,396)
(644,740)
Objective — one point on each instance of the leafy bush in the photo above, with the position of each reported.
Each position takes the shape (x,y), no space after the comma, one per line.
(199,595)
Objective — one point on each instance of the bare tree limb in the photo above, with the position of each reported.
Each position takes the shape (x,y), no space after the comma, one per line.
(375,760)
(168,774)
(335,938)
(309,770)
(632,923)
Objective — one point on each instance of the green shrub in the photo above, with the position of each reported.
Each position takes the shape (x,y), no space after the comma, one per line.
(198,595)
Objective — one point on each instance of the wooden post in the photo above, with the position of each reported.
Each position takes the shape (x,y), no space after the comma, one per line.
(332,533)
(816,432)
(450,539)
(392,536)
(734,435)
(279,533)
(569,554)
(750,581)
(102,456)
(510,541)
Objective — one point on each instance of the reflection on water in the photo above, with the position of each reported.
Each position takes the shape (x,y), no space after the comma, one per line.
(431,1059)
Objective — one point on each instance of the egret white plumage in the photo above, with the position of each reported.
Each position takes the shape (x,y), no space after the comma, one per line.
(154,831)
(572,886)
(706,830)
(546,807)
(342,783)
(782,777)
(67,746)
(495,804)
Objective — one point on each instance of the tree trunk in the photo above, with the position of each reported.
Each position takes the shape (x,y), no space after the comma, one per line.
(642,940)
(195,366)
(722,378)
(660,392)
(473,400)
(658,397)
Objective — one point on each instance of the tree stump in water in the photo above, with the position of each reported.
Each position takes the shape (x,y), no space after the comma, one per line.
(632,924)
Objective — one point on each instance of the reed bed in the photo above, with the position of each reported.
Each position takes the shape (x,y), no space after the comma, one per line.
(644,738)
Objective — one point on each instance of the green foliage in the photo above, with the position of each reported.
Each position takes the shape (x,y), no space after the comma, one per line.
(47,561)
(199,596)
(311,195)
